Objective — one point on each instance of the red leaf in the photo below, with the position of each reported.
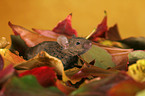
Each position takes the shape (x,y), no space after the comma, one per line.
(65,27)
(100,31)
(45,75)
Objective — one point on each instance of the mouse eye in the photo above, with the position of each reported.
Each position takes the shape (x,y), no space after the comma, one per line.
(77,43)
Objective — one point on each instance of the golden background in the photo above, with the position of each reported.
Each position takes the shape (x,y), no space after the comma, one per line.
(87,14)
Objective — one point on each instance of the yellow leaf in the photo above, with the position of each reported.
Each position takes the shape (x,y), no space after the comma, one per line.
(42,59)
(137,71)
(10,58)
(3,42)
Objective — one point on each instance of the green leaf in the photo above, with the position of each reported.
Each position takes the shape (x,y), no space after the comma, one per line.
(136,55)
(28,86)
(102,58)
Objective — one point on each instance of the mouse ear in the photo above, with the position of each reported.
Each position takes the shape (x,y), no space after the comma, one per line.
(63,41)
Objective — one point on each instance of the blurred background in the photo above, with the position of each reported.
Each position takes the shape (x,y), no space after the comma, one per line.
(87,14)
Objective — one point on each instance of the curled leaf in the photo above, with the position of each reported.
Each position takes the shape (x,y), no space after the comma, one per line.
(31,39)
(10,58)
(76,74)
(65,27)
(42,59)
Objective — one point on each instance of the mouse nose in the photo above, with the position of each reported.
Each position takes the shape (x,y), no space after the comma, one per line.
(87,45)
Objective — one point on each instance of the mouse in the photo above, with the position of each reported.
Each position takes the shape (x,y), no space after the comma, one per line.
(65,49)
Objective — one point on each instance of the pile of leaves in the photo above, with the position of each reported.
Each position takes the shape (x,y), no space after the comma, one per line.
(111,67)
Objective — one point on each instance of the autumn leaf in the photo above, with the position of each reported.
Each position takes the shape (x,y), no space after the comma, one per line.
(1,63)
(101,87)
(126,88)
(46,33)
(10,58)
(119,56)
(75,74)
(65,27)
(6,73)
(42,59)
(113,44)
(28,86)
(49,33)
(31,39)
(141,93)
(137,71)
(102,58)
(45,75)
(100,30)
(64,88)
(136,55)
(113,33)
(18,45)
(137,43)
(3,42)
(108,68)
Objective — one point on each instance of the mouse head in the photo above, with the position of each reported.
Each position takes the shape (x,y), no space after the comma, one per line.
(75,45)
